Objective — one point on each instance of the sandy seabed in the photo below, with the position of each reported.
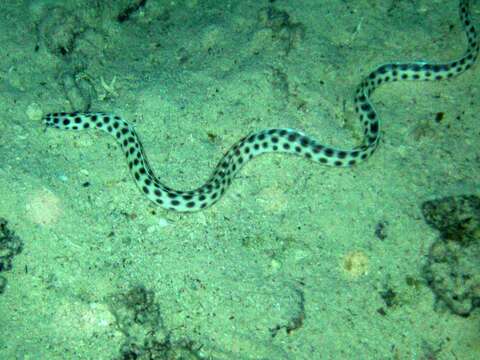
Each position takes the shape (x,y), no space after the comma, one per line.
(298,260)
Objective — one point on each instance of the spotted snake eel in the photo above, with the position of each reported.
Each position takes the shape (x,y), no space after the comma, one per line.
(269,140)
